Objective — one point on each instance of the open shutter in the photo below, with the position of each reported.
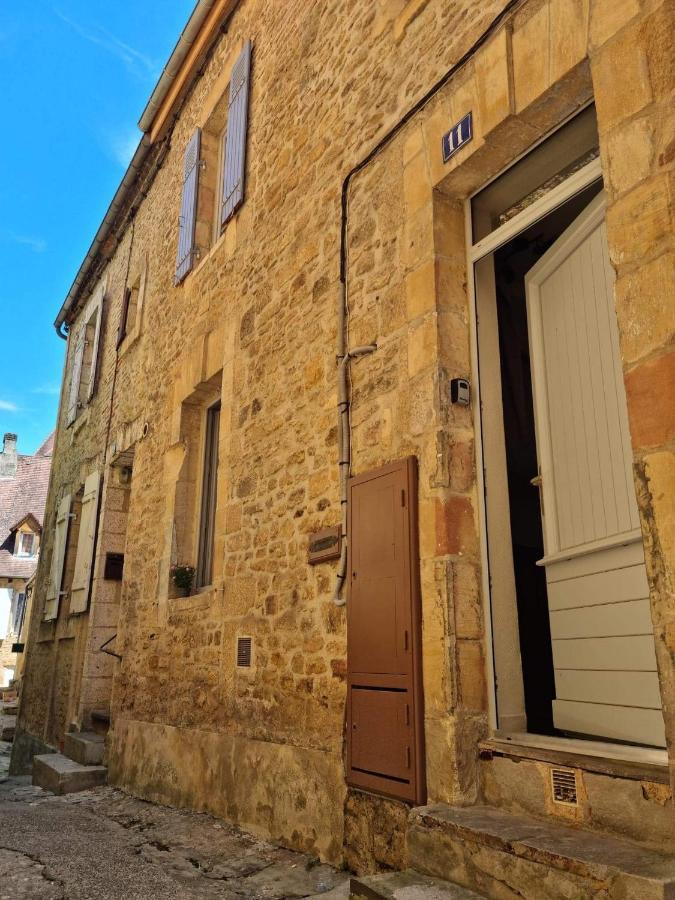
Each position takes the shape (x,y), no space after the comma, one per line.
(95,348)
(75,376)
(54,591)
(84,561)
(188,207)
(237,127)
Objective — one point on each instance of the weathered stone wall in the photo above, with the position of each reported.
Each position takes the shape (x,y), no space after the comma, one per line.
(264,746)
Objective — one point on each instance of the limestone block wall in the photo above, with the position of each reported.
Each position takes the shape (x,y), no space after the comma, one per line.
(264,746)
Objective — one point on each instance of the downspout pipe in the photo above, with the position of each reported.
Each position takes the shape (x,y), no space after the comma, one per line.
(344,452)
(344,354)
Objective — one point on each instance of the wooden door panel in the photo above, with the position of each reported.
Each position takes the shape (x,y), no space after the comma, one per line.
(601,629)
(376,647)
(384,711)
(381,733)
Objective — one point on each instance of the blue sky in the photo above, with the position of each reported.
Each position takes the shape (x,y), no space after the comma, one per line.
(75,77)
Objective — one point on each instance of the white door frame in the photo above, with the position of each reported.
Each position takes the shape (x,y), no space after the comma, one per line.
(550,201)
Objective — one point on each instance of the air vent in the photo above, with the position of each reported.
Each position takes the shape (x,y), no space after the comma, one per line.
(564,786)
(244,652)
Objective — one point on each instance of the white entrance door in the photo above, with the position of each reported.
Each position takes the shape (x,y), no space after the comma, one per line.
(598,598)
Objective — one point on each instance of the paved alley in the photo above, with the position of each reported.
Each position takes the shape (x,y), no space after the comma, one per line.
(104,844)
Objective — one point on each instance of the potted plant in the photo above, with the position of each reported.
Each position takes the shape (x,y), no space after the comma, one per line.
(182,577)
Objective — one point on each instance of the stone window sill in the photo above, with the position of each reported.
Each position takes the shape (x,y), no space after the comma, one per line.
(205,598)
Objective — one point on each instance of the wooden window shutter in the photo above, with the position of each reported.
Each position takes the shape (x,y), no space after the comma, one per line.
(91,390)
(188,207)
(237,128)
(54,591)
(75,376)
(84,561)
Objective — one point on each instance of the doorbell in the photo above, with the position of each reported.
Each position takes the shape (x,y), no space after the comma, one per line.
(460,391)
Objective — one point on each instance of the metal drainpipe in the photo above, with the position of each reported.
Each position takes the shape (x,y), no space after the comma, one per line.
(344,452)
(344,354)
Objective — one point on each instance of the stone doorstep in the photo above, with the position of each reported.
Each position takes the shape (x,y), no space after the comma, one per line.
(9,709)
(554,845)
(407,885)
(85,747)
(60,775)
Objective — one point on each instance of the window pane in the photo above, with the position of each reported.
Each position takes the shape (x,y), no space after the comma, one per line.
(552,162)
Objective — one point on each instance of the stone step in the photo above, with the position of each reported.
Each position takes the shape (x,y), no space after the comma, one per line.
(7,727)
(10,709)
(100,721)
(504,855)
(85,747)
(60,775)
(407,885)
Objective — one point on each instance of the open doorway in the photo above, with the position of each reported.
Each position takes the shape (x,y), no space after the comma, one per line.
(569,604)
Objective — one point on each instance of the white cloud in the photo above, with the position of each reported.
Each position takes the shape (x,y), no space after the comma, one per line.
(6,406)
(51,390)
(36,244)
(123,146)
(135,61)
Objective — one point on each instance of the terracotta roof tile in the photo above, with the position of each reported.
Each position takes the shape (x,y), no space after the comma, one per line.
(21,495)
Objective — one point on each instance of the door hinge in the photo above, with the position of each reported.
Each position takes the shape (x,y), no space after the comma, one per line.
(402,496)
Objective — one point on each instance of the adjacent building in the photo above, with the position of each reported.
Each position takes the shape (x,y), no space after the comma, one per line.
(362,493)
(23,493)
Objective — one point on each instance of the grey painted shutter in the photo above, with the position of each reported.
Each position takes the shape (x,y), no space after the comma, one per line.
(237,127)
(84,559)
(188,207)
(54,591)
(75,376)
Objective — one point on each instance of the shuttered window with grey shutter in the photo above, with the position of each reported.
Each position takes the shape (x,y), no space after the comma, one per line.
(237,127)
(188,208)
(75,375)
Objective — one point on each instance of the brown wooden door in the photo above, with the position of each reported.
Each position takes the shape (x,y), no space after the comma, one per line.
(385,722)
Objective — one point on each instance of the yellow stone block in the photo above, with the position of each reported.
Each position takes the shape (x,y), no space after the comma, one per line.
(531,54)
(620,79)
(420,290)
(660,470)
(492,82)
(416,183)
(422,345)
(630,153)
(568,35)
(646,318)
(609,16)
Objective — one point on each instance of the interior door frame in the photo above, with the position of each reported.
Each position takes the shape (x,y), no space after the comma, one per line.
(551,200)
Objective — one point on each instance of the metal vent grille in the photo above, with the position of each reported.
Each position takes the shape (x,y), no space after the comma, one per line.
(244,652)
(564,786)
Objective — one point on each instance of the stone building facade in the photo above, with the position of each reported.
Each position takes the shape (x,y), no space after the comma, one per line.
(350,144)
(24,479)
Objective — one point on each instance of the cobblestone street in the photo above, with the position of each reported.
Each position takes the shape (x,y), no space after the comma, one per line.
(104,844)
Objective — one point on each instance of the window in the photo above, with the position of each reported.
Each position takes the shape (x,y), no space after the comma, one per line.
(54,592)
(26,543)
(84,366)
(18,613)
(214,170)
(207,520)
(131,313)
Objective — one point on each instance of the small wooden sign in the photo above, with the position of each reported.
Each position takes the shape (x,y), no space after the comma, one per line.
(325,545)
